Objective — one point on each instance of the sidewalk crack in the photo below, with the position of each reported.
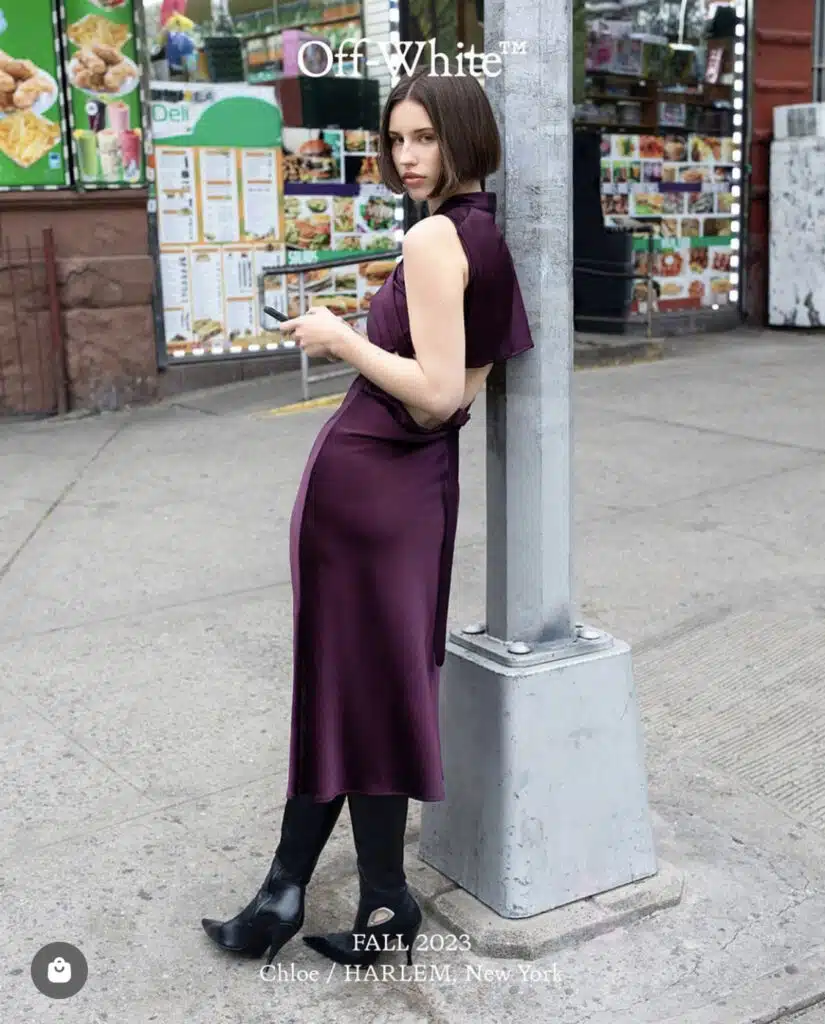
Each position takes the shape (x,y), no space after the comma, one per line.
(58,501)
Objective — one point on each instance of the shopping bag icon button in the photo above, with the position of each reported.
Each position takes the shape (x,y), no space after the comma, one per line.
(59,971)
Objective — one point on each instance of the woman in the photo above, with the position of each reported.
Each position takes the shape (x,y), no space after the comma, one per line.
(374,523)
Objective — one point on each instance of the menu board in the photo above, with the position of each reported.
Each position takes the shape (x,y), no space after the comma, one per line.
(32,131)
(219,184)
(103,76)
(683,185)
(335,206)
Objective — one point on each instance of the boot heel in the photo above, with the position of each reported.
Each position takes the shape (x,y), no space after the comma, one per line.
(280,935)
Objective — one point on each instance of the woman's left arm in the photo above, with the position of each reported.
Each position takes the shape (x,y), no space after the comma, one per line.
(434,382)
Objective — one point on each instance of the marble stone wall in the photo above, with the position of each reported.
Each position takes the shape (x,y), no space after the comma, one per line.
(797,240)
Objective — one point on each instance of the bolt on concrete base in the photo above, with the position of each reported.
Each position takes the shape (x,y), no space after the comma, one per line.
(534,937)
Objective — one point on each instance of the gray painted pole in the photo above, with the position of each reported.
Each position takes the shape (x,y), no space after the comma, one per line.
(529,492)
(543,755)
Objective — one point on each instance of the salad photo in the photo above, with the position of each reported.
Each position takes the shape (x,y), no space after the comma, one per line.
(376,214)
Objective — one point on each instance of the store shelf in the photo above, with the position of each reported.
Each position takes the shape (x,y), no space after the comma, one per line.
(300,27)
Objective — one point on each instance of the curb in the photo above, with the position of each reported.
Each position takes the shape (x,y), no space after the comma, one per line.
(589,355)
(535,937)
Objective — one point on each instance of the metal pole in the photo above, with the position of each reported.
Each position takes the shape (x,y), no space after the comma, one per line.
(529,486)
(304,356)
(546,795)
(55,328)
(650,252)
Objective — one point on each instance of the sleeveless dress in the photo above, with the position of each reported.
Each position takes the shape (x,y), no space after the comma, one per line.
(372,537)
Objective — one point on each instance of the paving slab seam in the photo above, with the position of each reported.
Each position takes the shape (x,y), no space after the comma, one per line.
(619,514)
(714,431)
(4,569)
(138,614)
(193,408)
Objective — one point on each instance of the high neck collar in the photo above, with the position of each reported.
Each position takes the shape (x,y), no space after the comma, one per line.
(480,200)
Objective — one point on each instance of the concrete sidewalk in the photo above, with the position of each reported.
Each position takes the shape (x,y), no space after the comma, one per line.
(145,647)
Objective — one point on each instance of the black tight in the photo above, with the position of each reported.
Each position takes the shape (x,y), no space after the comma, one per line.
(378,827)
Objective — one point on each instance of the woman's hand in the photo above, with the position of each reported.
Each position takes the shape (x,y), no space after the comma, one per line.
(319,332)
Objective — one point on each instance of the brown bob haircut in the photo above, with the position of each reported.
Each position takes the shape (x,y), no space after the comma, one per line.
(464,125)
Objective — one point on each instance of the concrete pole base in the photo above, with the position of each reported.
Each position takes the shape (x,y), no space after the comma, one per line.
(546,787)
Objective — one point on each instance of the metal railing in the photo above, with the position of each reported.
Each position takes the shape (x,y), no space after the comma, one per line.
(301,269)
(637,227)
(308,378)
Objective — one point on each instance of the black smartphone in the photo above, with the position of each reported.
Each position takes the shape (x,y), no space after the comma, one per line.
(276,314)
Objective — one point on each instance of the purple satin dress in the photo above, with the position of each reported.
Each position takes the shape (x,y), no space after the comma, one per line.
(371,545)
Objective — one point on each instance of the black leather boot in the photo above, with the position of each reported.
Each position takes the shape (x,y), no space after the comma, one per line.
(388,917)
(276,912)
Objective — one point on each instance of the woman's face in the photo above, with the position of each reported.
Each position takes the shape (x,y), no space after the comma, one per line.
(415,150)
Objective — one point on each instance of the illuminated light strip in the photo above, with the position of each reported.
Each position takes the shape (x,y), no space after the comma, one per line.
(738,143)
(394,16)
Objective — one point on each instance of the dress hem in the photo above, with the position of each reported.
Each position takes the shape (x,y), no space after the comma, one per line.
(380,791)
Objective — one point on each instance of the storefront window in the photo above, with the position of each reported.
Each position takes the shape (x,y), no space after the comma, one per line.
(449,22)
(664,84)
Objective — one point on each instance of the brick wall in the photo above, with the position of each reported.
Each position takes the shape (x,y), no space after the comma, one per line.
(105,276)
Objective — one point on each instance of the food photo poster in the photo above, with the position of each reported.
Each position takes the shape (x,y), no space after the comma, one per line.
(103,79)
(33,133)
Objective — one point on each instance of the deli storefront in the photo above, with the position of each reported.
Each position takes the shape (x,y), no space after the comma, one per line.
(73,182)
(173,193)
(662,90)
(254,176)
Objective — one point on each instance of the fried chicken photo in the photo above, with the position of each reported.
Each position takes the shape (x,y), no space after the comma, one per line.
(116,76)
(27,92)
(90,61)
(21,83)
(107,53)
(100,67)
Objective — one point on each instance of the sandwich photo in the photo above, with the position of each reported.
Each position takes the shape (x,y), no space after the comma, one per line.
(340,305)
(377,271)
(346,280)
(311,232)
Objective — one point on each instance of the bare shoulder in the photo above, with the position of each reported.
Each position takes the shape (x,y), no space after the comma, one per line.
(432,234)
(433,249)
